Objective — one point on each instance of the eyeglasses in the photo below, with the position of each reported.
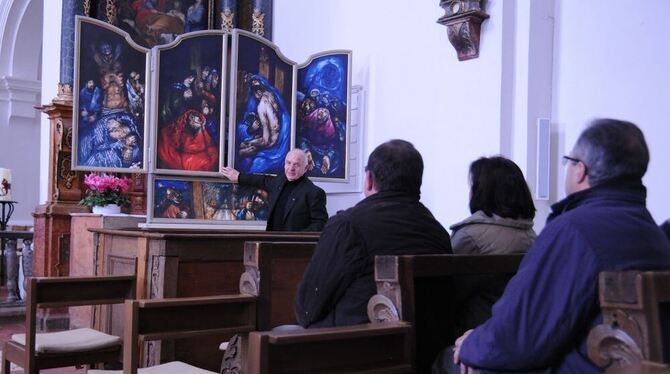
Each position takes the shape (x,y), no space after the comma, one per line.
(565,160)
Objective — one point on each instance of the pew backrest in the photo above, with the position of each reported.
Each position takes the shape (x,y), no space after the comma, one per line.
(272,273)
(179,318)
(440,295)
(368,348)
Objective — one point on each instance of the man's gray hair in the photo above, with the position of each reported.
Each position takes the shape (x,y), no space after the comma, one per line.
(612,148)
(301,152)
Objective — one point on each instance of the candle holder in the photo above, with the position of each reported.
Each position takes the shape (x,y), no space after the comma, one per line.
(6,213)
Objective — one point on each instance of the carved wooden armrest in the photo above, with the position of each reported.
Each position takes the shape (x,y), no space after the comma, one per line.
(250,282)
(381,309)
(614,349)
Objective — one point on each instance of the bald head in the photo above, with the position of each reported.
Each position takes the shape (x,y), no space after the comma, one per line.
(295,164)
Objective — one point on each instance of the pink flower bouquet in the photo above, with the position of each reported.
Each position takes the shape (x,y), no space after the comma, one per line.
(105,189)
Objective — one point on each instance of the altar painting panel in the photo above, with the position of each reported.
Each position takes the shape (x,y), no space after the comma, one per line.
(261,104)
(109,101)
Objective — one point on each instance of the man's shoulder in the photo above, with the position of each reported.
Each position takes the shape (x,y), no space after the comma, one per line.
(310,186)
(342,217)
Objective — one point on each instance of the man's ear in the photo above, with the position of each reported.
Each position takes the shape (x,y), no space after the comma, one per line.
(581,174)
(369,183)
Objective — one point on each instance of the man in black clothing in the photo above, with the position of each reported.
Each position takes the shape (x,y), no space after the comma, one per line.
(339,280)
(665,226)
(296,204)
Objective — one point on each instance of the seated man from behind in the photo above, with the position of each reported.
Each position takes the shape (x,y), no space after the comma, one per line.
(665,226)
(339,280)
(542,321)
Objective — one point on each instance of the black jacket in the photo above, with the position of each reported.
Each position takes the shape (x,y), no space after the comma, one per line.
(339,280)
(305,208)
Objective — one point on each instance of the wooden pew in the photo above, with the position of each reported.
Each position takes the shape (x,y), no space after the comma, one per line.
(442,296)
(272,273)
(369,348)
(425,293)
(636,315)
(151,320)
(178,263)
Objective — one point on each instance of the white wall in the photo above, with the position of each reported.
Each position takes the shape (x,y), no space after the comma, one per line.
(20,42)
(417,89)
(612,61)
(50,79)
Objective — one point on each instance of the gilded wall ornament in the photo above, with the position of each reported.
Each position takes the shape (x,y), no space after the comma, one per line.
(227,20)
(258,22)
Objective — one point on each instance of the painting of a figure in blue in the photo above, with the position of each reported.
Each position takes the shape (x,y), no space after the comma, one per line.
(188,106)
(321,123)
(155,22)
(234,202)
(262,114)
(109,125)
(173,199)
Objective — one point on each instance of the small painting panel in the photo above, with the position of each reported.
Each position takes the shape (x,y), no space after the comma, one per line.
(189,200)
(110,102)
(156,22)
(173,199)
(188,112)
(322,121)
(262,104)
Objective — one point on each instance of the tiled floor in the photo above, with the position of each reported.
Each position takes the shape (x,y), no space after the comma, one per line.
(7,328)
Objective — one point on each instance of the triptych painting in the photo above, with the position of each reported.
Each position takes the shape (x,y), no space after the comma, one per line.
(181,111)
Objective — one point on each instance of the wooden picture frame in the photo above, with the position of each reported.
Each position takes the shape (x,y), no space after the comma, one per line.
(189,105)
(206,201)
(322,125)
(262,104)
(110,109)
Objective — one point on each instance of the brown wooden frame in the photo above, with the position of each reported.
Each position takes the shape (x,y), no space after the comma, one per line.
(58,292)
(630,338)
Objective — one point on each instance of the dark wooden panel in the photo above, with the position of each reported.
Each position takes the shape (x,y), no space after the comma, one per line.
(209,278)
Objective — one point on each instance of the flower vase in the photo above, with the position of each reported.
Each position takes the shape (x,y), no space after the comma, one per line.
(107,209)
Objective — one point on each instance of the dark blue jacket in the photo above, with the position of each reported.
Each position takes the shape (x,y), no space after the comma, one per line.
(545,314)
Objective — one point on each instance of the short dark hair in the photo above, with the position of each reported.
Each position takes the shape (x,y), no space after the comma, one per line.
(612,148)
(498,186)
(396,166)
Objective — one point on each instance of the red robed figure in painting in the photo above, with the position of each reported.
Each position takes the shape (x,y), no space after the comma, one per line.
(185,145)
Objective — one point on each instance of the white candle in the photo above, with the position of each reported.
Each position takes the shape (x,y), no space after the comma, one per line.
(5,184)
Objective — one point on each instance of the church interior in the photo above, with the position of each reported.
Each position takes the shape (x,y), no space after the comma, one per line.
(521,82)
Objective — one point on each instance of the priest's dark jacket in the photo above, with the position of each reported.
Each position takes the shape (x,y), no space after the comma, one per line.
(301,204)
